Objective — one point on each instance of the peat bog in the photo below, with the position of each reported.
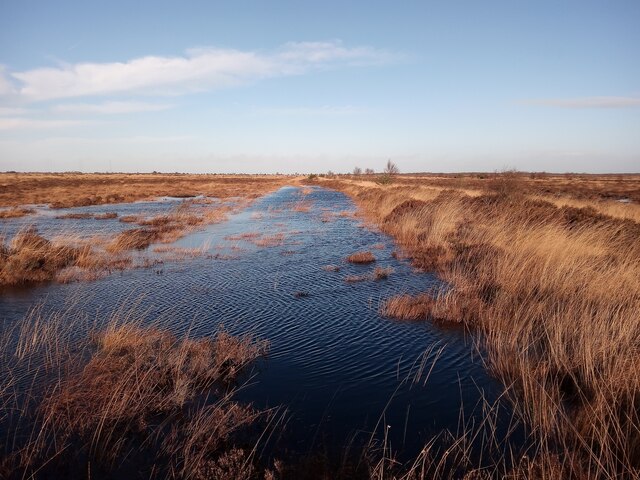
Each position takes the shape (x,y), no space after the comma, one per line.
(339,387)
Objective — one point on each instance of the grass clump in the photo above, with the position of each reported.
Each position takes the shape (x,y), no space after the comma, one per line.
(16,212)
(361,258)
(136,372)
(106,216)
(133,239)
(32,258)
(130,398)
(331,268)
(381,273)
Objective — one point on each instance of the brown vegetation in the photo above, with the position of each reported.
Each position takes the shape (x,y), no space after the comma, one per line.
(361,257)
(275,240)
(31,258)
(105,216)
(331,268)
(61,190)
(130,219)
(380,273)
(132,396)
(548,267)
(15,212)
(75,216)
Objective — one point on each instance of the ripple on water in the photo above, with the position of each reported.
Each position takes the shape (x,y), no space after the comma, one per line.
(333,360)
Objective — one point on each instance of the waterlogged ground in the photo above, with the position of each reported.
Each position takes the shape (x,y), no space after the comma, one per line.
(340,369)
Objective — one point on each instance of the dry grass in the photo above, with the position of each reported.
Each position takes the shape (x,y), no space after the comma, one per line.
(356,278)
(130,219)
(361,257)
(136,372)
(27,261)
(106,216)
(168,228)
(74,189)
(15,212)
(381,273)
(30,257)
(331,268)
(301,207)
(130,397)
(248,236)
(275,240)
(75,216)
(555,289)
(134,239)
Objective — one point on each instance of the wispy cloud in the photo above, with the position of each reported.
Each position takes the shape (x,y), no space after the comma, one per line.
(13,123)
(6,88)
(586,102)
(311,111)
(110,108)
(197,70)
(9,111)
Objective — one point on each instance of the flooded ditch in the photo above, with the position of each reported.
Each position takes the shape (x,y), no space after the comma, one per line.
(277,270)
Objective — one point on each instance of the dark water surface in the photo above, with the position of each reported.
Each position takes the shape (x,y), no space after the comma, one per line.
(334,362)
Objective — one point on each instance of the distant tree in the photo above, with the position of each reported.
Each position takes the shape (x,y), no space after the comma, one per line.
(369,171)
(357,171)
(391,168)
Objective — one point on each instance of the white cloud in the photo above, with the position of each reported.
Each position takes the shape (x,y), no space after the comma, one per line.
(110,108)
(13,123)
(5,85)
(199,69)
(323,110)
(587,102)
(326,52)
(8,111)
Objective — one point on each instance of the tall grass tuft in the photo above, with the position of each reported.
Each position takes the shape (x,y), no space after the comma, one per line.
(128,396)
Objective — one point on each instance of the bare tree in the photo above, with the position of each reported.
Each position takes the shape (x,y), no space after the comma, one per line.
(357,171)
(391,168)
(369,171)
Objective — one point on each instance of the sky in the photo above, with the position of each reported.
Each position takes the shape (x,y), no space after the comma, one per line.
(265,87)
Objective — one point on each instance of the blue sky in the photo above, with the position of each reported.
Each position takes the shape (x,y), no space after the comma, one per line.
(316,86)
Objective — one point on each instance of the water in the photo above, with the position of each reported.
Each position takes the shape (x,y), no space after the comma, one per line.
(334,362)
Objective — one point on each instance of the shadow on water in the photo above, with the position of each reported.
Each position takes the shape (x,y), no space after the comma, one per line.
(342,370)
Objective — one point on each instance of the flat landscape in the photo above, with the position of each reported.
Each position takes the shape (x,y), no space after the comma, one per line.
(319,240)
(373,326)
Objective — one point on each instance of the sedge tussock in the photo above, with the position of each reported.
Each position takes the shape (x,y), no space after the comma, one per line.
(129,393)
(361,257)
